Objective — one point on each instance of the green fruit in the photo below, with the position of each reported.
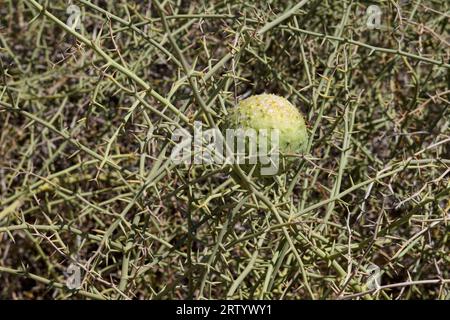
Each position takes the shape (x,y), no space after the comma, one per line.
(272,112)
(268,111)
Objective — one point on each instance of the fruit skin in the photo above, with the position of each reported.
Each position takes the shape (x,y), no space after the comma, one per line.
(269,111)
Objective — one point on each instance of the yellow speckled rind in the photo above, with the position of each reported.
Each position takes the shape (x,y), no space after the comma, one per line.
(269,111)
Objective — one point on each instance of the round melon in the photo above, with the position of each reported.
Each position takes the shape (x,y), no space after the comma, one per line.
(272,112)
